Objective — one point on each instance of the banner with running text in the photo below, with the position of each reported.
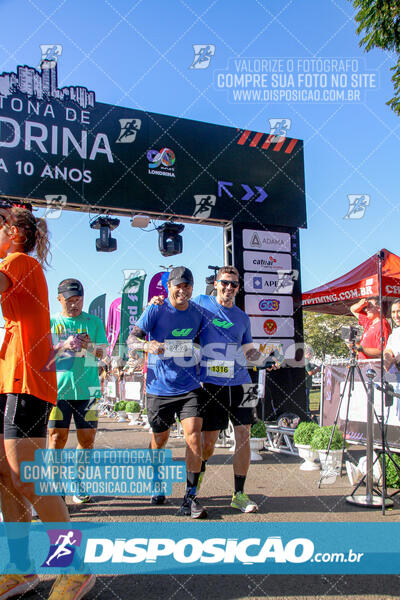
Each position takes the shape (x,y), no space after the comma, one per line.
(98,308)
(113,324)
(131,305)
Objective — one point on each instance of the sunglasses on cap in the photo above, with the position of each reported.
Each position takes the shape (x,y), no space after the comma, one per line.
(8,204)
(225,282)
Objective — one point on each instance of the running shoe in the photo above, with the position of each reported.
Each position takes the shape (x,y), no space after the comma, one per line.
(242,502)
(191,507)
(81,499)
(71,587)
(14,585)
(160,499)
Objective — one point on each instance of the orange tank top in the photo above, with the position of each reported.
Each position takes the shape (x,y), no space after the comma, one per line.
(26,355)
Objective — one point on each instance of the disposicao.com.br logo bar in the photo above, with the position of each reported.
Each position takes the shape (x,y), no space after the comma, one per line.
(213,548)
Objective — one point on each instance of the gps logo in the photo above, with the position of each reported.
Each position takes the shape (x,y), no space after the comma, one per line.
(269,305)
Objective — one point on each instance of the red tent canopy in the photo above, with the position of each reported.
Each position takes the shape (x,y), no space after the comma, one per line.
(338,295)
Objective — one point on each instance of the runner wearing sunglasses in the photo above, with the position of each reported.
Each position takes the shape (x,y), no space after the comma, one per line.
(226,345)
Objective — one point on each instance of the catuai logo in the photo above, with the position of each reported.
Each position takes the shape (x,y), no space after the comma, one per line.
(62,547)
(270,327)
(269,305)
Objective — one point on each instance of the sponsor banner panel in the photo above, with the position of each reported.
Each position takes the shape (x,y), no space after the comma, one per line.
(209,548)
(349,294)
(266,240)
(270,283)
(272,326)
(264,305)
(286,348)
(266,261)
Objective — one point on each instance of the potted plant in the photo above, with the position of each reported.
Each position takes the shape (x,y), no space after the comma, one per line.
(302,440)
(320,442)
(258,435)
(132,409)
(392,475)
(119,407)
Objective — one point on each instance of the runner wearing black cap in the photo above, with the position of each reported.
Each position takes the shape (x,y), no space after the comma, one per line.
(79,340)
(173,387)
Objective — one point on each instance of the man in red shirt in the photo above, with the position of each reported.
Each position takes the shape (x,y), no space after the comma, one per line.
(368,313)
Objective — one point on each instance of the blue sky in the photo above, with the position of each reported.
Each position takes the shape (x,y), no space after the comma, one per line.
(138,54)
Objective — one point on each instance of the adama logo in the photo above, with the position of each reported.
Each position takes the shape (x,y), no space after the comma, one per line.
(224,324)
(181,332)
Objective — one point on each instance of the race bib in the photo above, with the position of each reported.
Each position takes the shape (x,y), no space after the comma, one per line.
(175,348)
(221,368)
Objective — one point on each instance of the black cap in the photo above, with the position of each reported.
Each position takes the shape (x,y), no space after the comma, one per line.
(70,287)
(180,275)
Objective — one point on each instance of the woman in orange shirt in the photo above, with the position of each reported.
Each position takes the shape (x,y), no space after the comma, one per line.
(28,390)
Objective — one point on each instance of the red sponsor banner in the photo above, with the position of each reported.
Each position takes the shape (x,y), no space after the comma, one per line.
(252,139)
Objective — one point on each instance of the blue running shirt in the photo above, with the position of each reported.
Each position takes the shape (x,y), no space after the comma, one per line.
(221,338)
(176,371)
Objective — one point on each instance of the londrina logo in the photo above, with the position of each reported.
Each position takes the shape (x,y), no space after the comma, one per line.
(269,305)
(62,542)
(164,157)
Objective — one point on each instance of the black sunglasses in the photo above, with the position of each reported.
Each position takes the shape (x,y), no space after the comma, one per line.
(234,284)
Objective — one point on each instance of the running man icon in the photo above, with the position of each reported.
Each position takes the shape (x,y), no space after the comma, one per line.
(62,550)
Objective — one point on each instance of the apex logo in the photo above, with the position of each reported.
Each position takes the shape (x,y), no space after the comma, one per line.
(181,332)
(62,542)
(224,324)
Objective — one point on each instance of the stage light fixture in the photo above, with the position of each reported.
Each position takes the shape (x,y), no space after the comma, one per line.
(105,243)
(169,240)
(210,289)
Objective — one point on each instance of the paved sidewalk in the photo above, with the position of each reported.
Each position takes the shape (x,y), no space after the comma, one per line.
(283,493)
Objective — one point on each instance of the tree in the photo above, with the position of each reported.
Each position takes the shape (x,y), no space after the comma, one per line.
(379,23)
(322,333)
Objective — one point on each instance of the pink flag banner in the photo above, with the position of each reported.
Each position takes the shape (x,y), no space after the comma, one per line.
(157,285)
(113,324)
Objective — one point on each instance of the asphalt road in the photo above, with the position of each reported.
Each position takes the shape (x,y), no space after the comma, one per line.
(284,494)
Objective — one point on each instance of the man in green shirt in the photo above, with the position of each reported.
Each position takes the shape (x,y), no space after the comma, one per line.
(79,341)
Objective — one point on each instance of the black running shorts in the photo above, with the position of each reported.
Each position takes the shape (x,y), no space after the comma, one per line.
(162,410)
(224,403)
(84,413)
(23,416)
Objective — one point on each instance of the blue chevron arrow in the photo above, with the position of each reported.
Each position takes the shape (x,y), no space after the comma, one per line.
(262,193)
(249,192)
(222,188)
